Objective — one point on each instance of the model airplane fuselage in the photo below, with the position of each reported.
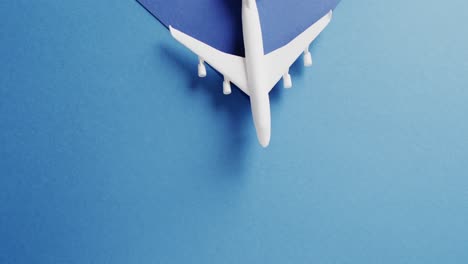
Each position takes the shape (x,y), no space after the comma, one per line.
(253,45)
(257,73)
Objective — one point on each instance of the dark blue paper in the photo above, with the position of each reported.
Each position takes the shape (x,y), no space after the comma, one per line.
(219,24)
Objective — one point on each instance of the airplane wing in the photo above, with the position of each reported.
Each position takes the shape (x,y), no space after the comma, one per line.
(218,23)
(280,60)
(231,66)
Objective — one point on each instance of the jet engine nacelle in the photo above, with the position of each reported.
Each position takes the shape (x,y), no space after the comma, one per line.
(226,87)
(201,69)
(307,59)
(287,82)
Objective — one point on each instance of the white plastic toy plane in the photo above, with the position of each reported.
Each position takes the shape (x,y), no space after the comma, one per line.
(257,73)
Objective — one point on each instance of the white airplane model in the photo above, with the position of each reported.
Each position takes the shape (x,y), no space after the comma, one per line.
(257,73)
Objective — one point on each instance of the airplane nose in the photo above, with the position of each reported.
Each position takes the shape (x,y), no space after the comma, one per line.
(264,142)
(264,137)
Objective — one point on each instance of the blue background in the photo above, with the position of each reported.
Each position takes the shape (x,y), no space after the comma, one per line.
(113,151)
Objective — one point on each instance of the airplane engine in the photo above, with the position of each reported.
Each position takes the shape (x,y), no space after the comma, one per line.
(287,82)
(226,87)
(307,59)
(201,69)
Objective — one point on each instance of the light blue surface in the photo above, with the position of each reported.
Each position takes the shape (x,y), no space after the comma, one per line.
(113,151)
